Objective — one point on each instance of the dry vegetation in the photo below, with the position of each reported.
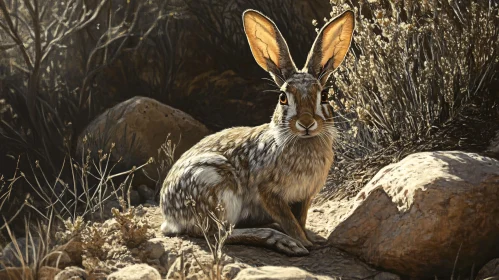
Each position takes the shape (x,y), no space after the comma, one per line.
(422,75)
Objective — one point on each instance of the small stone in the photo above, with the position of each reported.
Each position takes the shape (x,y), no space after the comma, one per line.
(136,272)
(47,273)
(140,211)
(74,250)
(59,259)
(230,271)
(154,248)
(71,272)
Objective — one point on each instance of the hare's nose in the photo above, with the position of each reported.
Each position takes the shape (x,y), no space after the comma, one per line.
(306,122)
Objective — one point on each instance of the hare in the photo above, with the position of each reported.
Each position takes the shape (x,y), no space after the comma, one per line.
(269,173)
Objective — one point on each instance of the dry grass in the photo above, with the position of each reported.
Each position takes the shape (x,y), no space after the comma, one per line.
(215,231)
(32,252)
(66,206)
(53,55)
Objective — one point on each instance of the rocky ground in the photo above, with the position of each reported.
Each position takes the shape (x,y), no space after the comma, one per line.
(405,229)
(184,257)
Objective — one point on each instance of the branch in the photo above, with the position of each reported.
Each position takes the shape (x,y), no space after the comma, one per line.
(11,31)
(83,23)
(101,44)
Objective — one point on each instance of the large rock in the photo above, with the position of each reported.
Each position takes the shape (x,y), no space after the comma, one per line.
(138,127)
(416,216)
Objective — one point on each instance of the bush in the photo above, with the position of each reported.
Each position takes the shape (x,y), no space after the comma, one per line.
(55,67)
(422,77)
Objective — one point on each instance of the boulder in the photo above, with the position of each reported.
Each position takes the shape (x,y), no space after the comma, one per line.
(417,216)
(136,272)
(138,127)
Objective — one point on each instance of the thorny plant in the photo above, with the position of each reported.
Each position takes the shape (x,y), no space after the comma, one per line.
(420,76)
(205,223)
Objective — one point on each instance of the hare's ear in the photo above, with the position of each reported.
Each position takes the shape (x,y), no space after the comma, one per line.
(268,46)
(330,46)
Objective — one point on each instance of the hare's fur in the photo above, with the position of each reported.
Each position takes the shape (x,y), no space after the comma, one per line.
(268,173)
(231,172)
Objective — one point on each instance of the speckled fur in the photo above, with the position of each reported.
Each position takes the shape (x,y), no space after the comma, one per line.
(259,175)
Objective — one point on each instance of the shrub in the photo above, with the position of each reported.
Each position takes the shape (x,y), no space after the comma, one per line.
(54,55)
(422,76)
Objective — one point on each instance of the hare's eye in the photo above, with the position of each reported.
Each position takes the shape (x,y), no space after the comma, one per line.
(324,95)
(283,99)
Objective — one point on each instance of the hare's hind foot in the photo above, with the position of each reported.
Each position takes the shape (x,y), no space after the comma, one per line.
(170,227)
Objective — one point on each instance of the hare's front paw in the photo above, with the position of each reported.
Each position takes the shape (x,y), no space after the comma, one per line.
(291,247)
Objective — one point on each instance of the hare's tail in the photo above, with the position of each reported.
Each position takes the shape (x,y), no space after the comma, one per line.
(268,238)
